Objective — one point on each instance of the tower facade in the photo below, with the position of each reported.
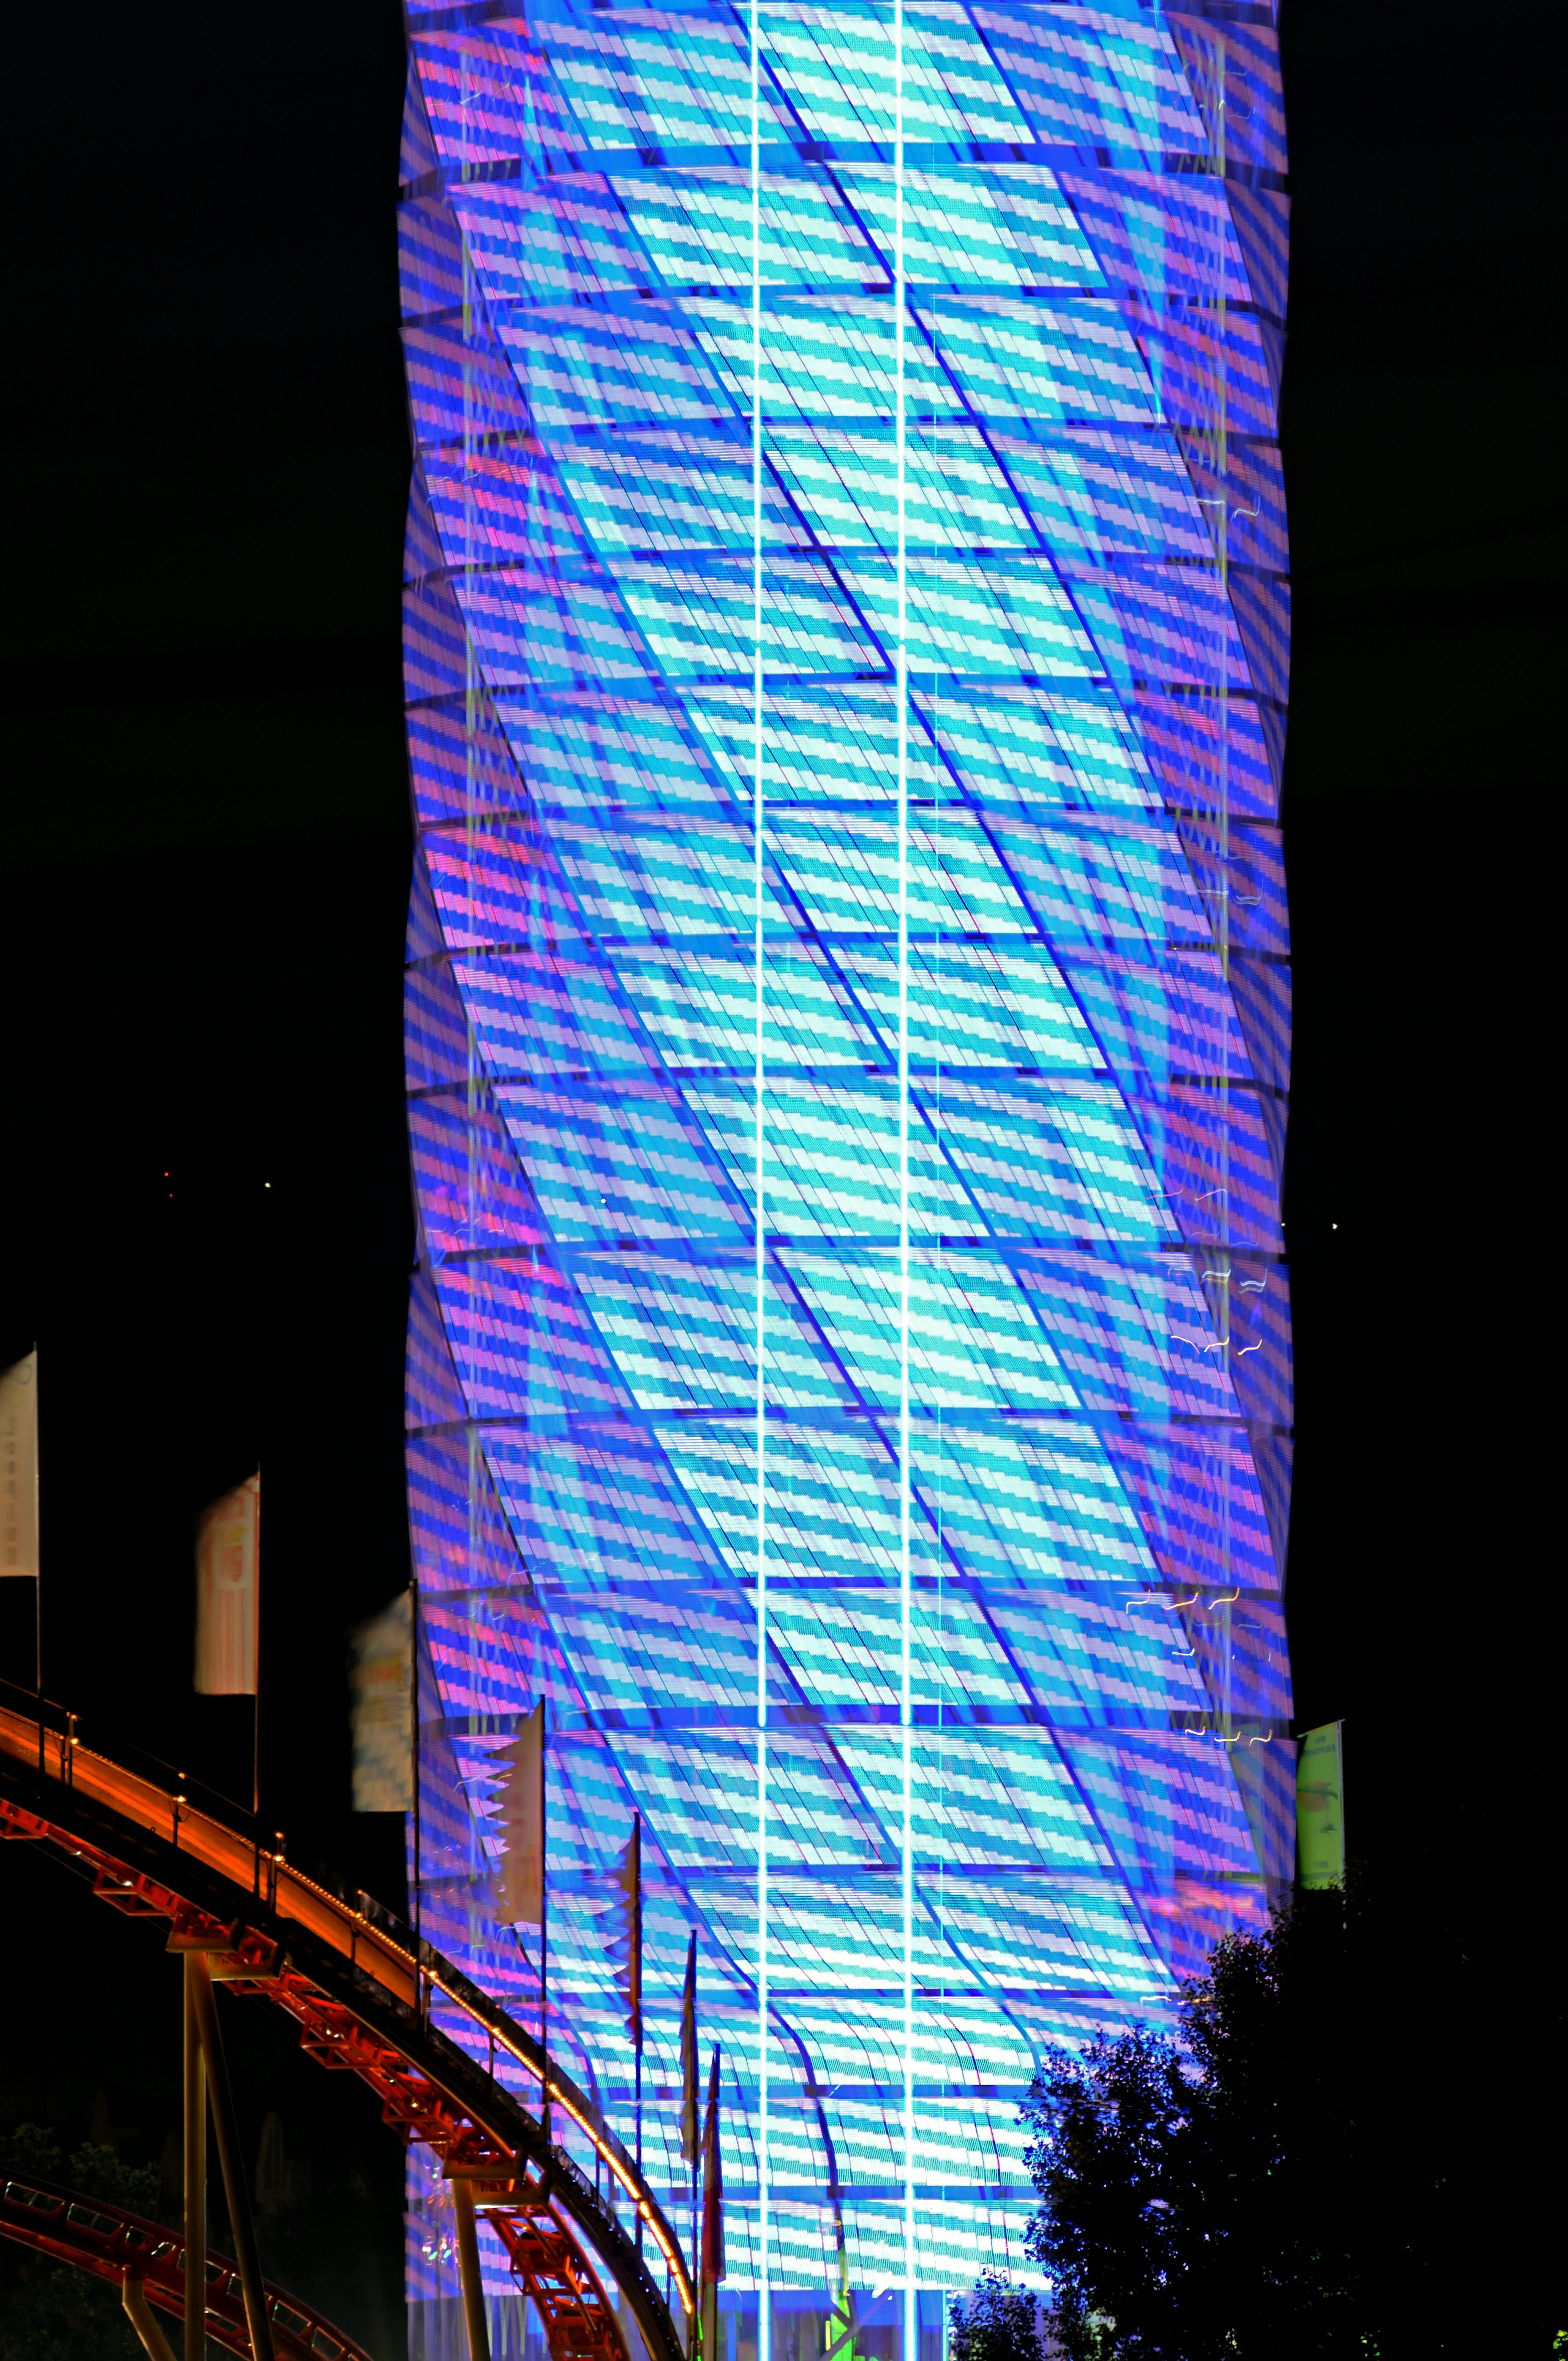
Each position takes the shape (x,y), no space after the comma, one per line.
(848,1040)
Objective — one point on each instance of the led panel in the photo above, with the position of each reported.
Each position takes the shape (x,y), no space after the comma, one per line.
(847,1037)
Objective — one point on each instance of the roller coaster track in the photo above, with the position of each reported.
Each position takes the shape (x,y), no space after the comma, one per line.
(113,2244)
(362,2000)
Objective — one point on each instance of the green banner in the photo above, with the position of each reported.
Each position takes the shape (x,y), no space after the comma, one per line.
(1319,1807)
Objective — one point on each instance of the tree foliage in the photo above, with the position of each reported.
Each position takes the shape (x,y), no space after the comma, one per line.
(50,2311)
(1000,2322)
(1259,2187)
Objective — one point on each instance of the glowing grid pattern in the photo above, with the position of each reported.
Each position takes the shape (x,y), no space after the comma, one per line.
(846,643)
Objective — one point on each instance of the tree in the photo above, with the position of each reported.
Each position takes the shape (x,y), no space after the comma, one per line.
(1107,2161)
(1268,2183)
(999,2322)
(47,2310)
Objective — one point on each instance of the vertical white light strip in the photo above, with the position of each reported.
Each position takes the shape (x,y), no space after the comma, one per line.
(905,1601)
(765,2304)
(472,684)
(1223,869)
(471,690)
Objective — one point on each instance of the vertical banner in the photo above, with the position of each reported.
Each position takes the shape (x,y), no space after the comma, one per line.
(519,1889)
(381,1674)
(1319,1807)
(228,1592)
(690,2095)
(19,1468)
(626,1947)
(691,2129)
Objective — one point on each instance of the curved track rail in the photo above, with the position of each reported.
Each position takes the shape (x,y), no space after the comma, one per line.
(362,2001)
(113,2244)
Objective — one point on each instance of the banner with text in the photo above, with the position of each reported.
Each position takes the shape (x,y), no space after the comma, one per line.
(19,1468)
(1319,1807)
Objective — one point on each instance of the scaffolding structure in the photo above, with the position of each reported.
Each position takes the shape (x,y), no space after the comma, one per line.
(846,639)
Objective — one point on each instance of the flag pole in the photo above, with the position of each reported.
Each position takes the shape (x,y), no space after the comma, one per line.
(713,2268)
(691,2134)
(637,1990)
(637,1975)
(689,2121)
(544,1921)
(416,1898)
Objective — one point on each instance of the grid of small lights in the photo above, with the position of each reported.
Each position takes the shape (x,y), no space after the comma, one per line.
(848,1032)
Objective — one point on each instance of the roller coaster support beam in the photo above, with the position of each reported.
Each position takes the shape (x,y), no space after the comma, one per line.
(371,1998)
(468,2268)
(195,2173)
(198,1999)
(138,2312)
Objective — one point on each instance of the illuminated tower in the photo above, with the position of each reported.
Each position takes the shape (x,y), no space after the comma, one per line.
(847,645)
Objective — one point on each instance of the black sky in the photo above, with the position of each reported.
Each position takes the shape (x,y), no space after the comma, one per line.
(206,855)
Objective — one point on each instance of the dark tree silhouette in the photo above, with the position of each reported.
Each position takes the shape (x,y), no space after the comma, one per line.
(1000,2322)
(50,2311)
(1273,2181)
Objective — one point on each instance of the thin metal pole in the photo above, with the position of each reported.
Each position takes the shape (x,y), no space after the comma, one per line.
(468,2270)
(639,2144)
(195,2175)
(38,1576)
(544,1929)
(635,1975)
(198,1985)
(416,1904)
(694,2326)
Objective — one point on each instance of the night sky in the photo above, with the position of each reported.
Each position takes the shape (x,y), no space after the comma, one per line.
(205,1224)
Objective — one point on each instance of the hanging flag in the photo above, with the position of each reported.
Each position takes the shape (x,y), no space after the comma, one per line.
(1319,1807)
(381,1675)
(626,1945)
(228,1592)
(19,1468)
(690,2096)
(712,2217)
(519,1889)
